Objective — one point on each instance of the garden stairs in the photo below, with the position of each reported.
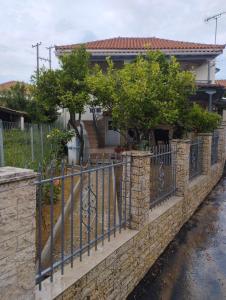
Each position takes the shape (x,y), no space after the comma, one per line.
(91,133)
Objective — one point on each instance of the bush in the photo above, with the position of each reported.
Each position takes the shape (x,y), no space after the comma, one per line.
(59,139)
(47,192)
(201,120)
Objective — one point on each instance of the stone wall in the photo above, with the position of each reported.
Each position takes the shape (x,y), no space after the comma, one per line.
(17,234)
(116,268)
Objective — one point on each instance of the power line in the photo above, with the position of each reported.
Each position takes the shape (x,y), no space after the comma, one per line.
(215,17)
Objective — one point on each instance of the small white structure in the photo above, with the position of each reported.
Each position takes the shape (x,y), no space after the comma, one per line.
(74,147)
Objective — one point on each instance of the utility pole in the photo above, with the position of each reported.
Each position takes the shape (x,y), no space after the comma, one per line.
(37,56)
(215,17)
(49,60)
(50,55)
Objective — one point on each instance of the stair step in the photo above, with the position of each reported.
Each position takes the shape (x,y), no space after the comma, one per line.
(91,133)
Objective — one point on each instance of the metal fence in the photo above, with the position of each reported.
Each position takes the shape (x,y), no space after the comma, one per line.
(22,147)
(163,173)
(78,209)
(195,160)
(214,148)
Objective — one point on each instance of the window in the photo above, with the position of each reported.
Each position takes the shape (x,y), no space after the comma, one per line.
(95,110)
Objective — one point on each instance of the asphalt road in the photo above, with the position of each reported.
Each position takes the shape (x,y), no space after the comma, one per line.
(194,264)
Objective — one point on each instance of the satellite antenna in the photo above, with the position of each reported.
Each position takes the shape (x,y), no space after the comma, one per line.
(215,17)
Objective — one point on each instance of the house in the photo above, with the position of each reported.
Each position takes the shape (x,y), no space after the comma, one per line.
(196,57)
(7,114)
(221,82)
(5,86)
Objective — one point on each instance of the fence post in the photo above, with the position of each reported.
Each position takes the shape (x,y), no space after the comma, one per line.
(182,147)
(41,135)
(22,122)
(139,197)
(206,152)
(32,143)
(2,159)
(17,233)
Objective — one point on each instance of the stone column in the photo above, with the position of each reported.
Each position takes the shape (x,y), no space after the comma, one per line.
(17,233)
(206,152)
(221,144)
(140,188)
(182,165)
(224,115)
(223,125)
(22,122)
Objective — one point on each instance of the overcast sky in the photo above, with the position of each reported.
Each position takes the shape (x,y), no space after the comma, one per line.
(56,22)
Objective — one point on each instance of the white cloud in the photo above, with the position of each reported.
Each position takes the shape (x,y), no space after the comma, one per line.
(58,22)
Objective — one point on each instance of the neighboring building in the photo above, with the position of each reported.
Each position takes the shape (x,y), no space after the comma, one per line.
(5,86)
(10,115)
(221,82)
(196,57)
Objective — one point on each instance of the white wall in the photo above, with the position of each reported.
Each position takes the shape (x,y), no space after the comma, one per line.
(64,116)
(201,71)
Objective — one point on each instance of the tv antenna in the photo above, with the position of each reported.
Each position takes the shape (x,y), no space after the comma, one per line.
(215,17)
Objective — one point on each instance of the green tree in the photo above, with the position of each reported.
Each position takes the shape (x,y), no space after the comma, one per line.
(201,120)
(16,97)
(150,91)
(66,87)
(19,97)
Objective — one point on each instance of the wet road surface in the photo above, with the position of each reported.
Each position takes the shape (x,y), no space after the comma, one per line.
(194,264)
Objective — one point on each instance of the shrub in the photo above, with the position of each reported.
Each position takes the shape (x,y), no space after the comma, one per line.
(201,120)
(47,192)
(58,140)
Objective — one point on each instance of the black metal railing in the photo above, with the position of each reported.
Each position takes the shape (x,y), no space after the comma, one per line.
(78,208)
(163,173)
(214,148)
(195,161)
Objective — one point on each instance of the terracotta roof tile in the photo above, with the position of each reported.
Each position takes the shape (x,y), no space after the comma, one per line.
(127,43)
(7,85)
(221,82)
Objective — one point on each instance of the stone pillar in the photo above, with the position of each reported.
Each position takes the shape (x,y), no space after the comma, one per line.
(223,125)
(221,144)
(17,233)
(140,188)
(206,152)
(182,165)
(224,115)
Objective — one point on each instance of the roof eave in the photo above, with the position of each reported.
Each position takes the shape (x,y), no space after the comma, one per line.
(125,52)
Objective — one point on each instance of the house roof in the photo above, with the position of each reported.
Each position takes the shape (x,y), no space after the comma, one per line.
(140,43)
(12,111)
(7,85)
(221,82)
